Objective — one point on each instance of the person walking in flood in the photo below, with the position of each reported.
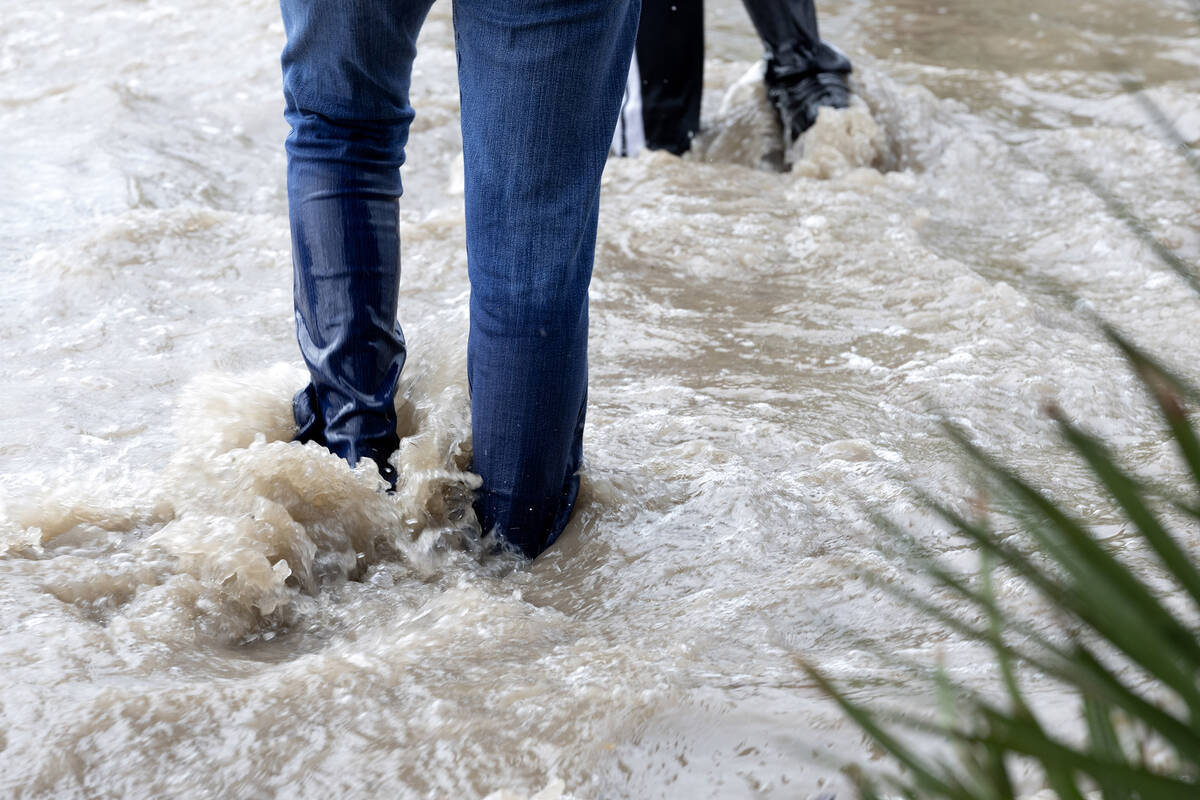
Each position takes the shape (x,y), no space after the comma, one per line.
(802,73)
(540,87)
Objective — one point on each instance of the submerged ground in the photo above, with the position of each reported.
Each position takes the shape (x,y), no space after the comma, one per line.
(192,607)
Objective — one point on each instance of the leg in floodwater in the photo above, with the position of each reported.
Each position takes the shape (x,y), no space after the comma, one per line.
(541,87)
(803,73)
(346,72)
(670,66)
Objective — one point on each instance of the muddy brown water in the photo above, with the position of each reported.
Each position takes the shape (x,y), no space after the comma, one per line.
(193,607)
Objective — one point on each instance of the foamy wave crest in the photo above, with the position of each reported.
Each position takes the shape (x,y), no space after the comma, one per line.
(244,524)
(887,127)
(841,140)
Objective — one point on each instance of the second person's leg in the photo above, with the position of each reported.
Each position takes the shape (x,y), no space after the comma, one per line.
(803,72)
(670,61)
(541,84)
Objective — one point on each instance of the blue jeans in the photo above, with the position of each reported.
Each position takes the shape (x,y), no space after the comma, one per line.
(540,84)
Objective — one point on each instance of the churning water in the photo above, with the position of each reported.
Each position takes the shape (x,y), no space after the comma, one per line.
(191,606)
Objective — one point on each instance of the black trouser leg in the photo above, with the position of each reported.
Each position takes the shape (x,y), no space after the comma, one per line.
(670,55)
(788,29)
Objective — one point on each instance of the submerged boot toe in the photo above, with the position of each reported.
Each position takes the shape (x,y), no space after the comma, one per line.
(388,473)
(799,101)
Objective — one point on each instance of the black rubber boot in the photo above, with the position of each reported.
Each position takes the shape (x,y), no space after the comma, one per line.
(310,427)
(799,99)
(802,72)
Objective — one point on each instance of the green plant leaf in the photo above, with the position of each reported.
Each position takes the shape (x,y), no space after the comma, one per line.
(1105,593)
(1129,497)
(1102,737)
(923,772)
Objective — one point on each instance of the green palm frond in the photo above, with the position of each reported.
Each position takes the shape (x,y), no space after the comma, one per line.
(1127,639)
(1127,649)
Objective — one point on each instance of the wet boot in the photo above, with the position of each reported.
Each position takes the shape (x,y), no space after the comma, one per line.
(310,424)
(798,99)
(802,74)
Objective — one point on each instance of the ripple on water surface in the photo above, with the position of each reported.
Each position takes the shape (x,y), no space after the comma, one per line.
(194,606)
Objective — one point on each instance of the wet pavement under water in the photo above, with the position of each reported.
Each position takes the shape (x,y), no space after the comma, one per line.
(191,606)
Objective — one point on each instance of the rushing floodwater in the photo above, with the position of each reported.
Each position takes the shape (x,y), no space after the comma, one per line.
(190,606)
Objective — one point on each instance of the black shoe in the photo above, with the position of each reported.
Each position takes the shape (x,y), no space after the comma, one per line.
(388,473)
(310,427)
(379,452)
(798,100)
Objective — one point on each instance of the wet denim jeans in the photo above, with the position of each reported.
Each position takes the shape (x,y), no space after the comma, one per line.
(540,87)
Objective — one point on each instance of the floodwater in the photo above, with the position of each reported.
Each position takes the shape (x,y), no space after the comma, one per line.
(191,606)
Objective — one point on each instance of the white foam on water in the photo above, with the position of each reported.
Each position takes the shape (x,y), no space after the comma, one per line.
(194,606)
